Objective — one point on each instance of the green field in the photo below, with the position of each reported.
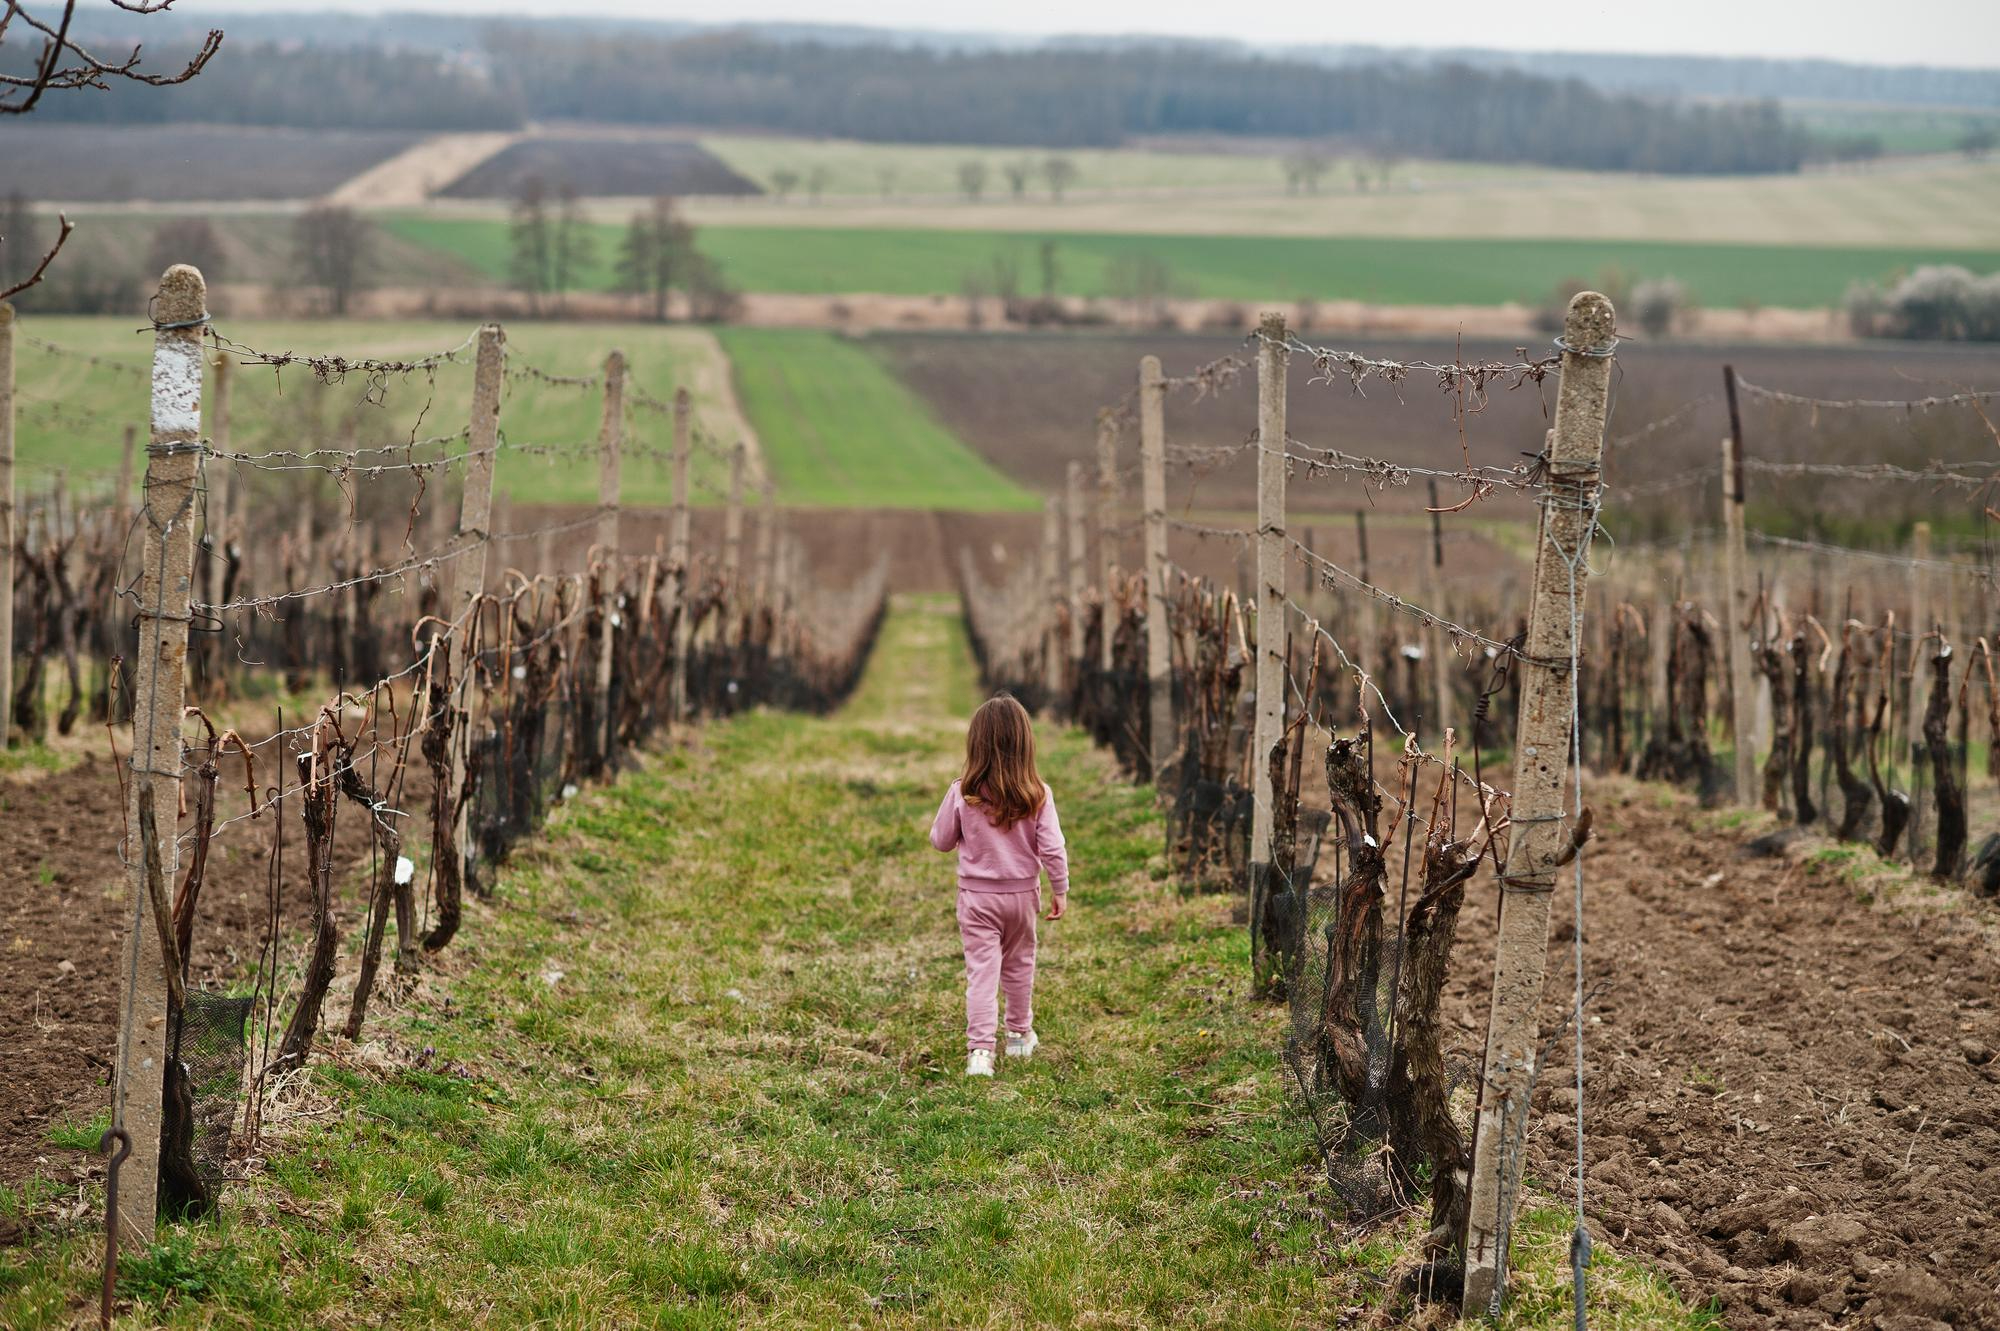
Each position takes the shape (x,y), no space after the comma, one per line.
(72,414)
(1389,271)
(698,1066)
(842,430)
(1902,129)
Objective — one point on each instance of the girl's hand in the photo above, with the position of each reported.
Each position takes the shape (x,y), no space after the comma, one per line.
(1058,906)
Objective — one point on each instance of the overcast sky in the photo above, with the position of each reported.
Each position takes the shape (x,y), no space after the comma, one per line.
(1934,32)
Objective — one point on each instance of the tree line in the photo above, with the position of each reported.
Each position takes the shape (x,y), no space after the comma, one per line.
(1051,98)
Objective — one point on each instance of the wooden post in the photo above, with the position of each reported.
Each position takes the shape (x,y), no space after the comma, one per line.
(7,518)
(610,443)
(1272,361)
(677,551)
(159,692)
(464,578)
(1074,558)
(1107,543)
(1737,629)
(1153,484)
(1542,831)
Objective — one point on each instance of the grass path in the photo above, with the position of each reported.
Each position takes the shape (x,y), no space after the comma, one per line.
(701,1068)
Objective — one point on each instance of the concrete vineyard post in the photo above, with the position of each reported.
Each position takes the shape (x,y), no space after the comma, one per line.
(766,525)
(1439,645)
(7,518)
(677,551)
(159,692)
(1153,483)
(1052,590)
(1107,544)
(1542,831)
(732,535)
(221,480)
(1921,617)
(1074,558)
(610,444)
(1273,359)
(123,504)
(465,570)
(1737,627)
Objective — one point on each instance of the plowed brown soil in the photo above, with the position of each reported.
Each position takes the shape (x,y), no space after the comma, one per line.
(1791,1098)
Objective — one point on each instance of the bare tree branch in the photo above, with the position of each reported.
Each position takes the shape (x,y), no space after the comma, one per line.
(64,64)
(47,259)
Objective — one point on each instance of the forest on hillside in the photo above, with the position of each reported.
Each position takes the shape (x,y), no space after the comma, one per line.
(882,92)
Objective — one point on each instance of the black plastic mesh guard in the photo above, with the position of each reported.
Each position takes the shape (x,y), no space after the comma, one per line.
(203,1087)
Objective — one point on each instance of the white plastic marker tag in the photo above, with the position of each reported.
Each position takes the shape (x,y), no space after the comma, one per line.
(405,870)
(520,672)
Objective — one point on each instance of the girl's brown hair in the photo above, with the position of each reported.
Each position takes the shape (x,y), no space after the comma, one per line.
(1000,776)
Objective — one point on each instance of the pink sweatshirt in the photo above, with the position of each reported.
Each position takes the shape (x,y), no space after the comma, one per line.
(992,860)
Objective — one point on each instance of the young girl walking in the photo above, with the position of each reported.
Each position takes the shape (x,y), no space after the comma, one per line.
(1001,819)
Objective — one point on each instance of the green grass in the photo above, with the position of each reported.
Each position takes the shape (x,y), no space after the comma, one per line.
(842,430)
(1902,129)
(73,414)
(741,1105)
(1381,270)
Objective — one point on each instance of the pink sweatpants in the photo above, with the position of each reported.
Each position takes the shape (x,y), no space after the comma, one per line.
(998,930)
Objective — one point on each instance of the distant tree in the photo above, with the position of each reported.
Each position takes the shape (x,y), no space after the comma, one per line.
(885,180)
(1867,309)
(573,247)
(1051,271)
(1017,173)
(973,287)
(1304,170)
(817,178)
(972,180)
(20,239)
(1978,140)
(333,246)
(655,254)
(1662,306)
(1144,282)
(188,240)
(784,180)
(531,244)
(1061,173)
(1386,161)
(710,297)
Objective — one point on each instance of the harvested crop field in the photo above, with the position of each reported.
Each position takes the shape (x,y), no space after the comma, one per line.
(616,166)
(1029,402)
(177,163)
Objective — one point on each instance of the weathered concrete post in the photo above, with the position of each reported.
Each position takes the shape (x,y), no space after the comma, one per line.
(1052,593)
(1107,541)
(464,580)
(1921,622)
(221,480)
(159,692)
(122,506)
(1273,359)
(1153,496)
(1543,832)
(1439,645)
(610,445)
(7,518)
(1074,559)
(732,538)
(767,523)
(1738,629)
(677,551)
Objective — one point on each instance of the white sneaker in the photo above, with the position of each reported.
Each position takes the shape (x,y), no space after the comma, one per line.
(979,1063)
(1020,1045)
